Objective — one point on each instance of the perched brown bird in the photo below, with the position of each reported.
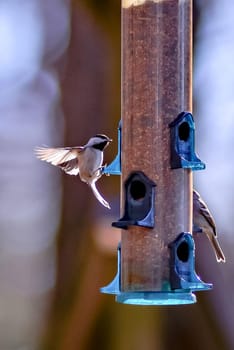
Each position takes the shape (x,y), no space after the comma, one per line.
(83,160)
(204,222)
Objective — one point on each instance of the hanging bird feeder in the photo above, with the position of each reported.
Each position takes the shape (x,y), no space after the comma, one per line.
(156,253)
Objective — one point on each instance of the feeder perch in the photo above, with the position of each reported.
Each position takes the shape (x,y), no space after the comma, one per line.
(114,168)
(114,286)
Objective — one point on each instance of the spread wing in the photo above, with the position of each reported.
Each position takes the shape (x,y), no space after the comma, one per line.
(66,158)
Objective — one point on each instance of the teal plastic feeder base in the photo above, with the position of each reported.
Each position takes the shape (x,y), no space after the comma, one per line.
(182,294)
(148,298)
(178,297)
(156,298)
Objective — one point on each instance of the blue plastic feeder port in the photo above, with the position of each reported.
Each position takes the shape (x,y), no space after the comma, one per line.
(139,207)
(182,265)
(183,155)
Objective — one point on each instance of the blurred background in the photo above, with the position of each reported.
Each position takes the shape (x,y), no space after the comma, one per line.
(60,84)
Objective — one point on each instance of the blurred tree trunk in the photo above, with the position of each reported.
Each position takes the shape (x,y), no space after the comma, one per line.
(87,93)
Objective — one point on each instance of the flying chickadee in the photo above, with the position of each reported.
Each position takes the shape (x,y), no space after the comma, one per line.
(204,222)
(83,160)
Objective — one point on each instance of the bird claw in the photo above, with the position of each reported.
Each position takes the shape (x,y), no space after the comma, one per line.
(103,168)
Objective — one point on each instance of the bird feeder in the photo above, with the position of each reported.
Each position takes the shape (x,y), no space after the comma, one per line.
(156,252)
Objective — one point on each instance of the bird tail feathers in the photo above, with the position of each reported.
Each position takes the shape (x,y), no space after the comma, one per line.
(217,249)
(98,196)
